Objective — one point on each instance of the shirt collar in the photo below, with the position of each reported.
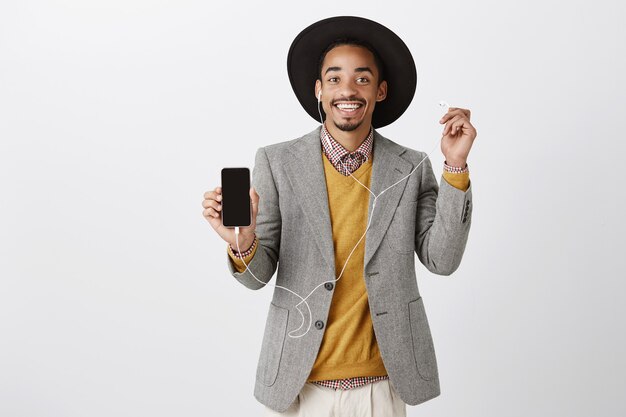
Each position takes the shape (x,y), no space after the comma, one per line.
(335,150)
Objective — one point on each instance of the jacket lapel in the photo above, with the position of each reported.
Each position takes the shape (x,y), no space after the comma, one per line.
(387,169)
(306,174)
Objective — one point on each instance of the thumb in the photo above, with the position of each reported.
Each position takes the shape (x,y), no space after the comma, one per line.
(254,197)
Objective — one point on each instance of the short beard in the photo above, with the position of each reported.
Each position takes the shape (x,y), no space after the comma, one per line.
(348,127)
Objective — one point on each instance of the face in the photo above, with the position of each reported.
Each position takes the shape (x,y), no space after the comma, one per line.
(350,87)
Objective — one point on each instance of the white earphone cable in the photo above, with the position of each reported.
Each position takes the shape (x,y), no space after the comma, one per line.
(303,300)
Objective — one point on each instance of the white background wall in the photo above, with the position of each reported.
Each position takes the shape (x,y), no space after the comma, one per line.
(117,116)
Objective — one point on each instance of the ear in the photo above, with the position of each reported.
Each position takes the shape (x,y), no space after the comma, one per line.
(381,94)
(318,87)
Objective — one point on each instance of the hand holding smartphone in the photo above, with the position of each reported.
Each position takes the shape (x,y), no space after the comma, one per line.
(234,204)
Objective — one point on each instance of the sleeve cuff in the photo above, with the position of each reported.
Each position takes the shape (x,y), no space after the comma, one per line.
(460,181)
(238,262)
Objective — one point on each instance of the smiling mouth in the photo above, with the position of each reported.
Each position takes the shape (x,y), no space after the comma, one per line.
(348,108)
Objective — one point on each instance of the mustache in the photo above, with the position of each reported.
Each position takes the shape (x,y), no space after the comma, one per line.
(353,98)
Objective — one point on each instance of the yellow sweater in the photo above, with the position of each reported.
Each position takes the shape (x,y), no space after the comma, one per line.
(349,347)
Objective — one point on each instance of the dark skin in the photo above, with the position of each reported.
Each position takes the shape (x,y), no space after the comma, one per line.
(458,136)
(350,78)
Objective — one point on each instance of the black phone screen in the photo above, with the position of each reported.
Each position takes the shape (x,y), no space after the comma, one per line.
(236,197)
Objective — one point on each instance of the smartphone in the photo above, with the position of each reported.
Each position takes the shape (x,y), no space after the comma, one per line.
(236,205)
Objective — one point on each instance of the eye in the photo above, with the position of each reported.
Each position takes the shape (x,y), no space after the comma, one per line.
(364,79)
(332,79)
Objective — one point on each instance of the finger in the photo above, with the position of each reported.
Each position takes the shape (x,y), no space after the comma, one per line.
(458,126)
(209,201)
(446,130)
(254,199)
(211,212)
(212,195)
(466,112)
(212,203)
(453,111)
(450,115)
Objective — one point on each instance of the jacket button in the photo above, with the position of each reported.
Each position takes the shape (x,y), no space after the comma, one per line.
(319,324)
(328,286)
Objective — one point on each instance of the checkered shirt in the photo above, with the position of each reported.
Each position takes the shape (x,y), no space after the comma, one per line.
(336,153)
(349,383)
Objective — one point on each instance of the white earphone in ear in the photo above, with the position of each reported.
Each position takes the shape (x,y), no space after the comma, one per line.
(319,95)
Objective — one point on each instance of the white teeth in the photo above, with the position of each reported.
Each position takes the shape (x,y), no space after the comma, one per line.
(348,107)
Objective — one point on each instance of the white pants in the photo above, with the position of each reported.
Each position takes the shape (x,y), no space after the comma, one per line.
(376,399)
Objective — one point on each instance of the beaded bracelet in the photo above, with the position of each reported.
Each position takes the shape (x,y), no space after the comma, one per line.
(244,253)
(455,170)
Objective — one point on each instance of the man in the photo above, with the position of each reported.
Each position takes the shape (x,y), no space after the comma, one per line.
(370,351)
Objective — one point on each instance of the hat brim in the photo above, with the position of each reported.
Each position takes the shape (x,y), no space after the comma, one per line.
(398,64)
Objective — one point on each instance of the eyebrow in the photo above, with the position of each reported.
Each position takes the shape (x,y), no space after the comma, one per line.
(358,69)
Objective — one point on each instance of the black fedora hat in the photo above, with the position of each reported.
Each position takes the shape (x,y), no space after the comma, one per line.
(398,64)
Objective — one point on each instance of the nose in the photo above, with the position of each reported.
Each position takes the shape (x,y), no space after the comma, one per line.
(347,90)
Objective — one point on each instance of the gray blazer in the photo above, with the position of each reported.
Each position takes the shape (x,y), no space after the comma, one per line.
(293,227)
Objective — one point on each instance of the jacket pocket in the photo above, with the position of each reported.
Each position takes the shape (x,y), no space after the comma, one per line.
(401,232)
(423,348)
(272,345)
